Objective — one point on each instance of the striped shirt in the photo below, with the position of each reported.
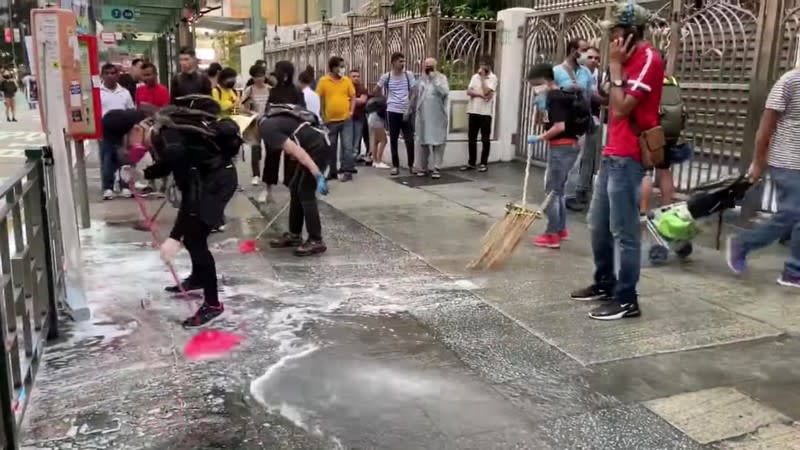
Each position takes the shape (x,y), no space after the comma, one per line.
(397,89)
(784,147)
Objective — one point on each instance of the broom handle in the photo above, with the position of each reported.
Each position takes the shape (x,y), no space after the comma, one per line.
(527,176)
(143,209)
(272,221)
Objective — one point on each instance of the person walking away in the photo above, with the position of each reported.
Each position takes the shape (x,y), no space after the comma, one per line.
(305,79)
(9,89)
(284,92)
(778,153)
(225,94)
(376,118)
(254,101)
(431,119)
(306,148)
(112,97)
(579,182)
(31,91)
(566,120)
(398,87)
(636,74)
(202,166)
(480,111)
(151,92)
(337,93)
(189,81)
(359,116)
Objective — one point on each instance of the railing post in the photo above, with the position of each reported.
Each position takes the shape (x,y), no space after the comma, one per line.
(83,187)
(434,13)
(674,36)
(770,30)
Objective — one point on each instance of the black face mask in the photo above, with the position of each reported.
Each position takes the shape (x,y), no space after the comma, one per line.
(429,70)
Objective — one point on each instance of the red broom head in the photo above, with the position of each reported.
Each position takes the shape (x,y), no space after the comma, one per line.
(248,246)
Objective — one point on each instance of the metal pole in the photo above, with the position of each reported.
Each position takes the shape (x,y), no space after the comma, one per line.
(386,44)
(352,44)
(434,12)
(256,32)
(83,187)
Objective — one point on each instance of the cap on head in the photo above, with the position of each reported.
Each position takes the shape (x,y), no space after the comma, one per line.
(627,14)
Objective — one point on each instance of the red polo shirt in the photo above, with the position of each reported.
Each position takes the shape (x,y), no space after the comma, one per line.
(643,74)
(157,95)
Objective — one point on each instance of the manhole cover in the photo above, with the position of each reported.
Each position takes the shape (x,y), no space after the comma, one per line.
(416,181)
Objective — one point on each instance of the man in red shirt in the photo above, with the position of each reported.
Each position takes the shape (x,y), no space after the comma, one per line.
(636,77)
(151,91)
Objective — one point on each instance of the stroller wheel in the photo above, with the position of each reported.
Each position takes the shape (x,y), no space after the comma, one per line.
(658,254)
(684,250)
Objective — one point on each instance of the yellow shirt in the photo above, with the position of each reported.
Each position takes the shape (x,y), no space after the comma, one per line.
(226,98)
(336,96)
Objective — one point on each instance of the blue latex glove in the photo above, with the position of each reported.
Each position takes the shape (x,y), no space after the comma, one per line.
(533,139)
(322,185)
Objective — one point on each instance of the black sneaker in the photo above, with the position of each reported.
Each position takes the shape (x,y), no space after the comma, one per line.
(310,247)
(204,316)
(345,177)
(467,167)
(189,285)
(615,310)
(574,204)
(591,293)
(287,240)
(482,168)
(395,171)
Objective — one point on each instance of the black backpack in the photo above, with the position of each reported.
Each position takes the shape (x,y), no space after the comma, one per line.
(222,133)
(581,120)
(295,111)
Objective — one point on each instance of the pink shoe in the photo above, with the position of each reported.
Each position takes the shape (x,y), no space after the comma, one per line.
(548,241)
(563,235)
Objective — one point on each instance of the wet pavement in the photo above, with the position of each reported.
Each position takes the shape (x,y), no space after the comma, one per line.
(386,342)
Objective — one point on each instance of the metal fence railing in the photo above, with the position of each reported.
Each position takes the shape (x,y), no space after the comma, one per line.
(30,284)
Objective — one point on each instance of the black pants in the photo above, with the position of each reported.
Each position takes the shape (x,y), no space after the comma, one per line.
(255,159)
(396,124)
(204,270)
(272,165)
(483,124)
(303,207)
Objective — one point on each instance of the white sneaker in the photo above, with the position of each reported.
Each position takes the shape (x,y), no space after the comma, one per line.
(108,194)
(255,181)
(381,165)
(127,193)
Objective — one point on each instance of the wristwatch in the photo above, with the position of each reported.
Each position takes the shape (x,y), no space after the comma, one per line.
(617,83)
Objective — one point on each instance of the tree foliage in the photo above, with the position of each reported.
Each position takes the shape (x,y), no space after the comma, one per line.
(484,9)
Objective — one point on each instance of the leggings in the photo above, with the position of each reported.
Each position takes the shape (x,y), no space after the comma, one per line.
(396,124)
(255,159)
(204,270)
(303,208)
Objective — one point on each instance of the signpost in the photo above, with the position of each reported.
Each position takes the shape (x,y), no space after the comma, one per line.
(120,18)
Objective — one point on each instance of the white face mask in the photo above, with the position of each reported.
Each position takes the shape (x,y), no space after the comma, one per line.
(539,89)
(340,71)
(583,59)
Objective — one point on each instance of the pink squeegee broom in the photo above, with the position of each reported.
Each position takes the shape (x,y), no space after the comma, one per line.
(206,343)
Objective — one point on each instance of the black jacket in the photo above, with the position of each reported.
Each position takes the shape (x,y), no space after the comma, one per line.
(207,181)
(187,84)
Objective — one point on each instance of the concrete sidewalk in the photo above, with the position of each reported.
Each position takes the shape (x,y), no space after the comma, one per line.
(387,342)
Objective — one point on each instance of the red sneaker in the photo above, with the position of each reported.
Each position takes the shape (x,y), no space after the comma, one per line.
(548,241)
(563,235)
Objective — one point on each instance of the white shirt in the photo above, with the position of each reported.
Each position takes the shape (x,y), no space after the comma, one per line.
(117,98)
(478,105)
(784,147)
(312,101)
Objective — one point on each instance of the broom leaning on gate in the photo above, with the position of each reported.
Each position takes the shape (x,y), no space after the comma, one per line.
(503,237)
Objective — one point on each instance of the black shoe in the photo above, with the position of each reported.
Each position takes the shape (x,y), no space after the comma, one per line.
(13,119)
(219,229)
(395,171)
(189,285)
(346,176)
(204,316)
(467,167)
(287,240)
(310,247)
(591,293)
(574,204)
(482,168)
(333,176)
(616,310)
(352,171)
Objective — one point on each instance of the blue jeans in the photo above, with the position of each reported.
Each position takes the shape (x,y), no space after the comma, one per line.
(560,160)
(614,219)
(109,163)
(784,222)
(358,133)
(341,136)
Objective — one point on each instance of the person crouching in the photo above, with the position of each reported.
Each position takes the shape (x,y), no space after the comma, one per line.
(283,128)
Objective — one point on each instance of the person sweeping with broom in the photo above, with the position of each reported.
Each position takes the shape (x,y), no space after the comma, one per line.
(197,150)
(567,118)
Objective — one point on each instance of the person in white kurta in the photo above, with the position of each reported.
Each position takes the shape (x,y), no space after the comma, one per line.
(431,119)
